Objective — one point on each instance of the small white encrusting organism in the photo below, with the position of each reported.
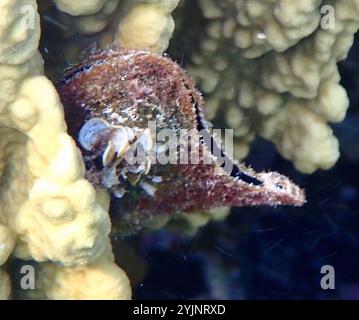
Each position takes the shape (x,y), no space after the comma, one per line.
(91,131)
(125,152)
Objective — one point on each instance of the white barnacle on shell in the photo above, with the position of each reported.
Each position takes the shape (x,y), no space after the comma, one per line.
(120,140)
(91,132)
(109,154)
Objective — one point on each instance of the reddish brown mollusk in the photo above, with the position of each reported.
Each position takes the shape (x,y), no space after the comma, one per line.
(137,85)
(127,88)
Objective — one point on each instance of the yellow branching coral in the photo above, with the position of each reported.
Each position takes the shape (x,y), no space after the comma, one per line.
(147,25)
(271,67)
(47,207)
(74,283)
(260,26)
(128,23)
(88,17)
(7,243)
(144,24)
(76,8)
(5,287)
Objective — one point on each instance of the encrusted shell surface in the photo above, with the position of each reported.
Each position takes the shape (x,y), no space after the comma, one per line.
(127,89)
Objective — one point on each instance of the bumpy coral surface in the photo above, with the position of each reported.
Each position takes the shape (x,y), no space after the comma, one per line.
(101,279)
(269,68)
(81,8)
(140,24)
(147,25)
(5,287)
